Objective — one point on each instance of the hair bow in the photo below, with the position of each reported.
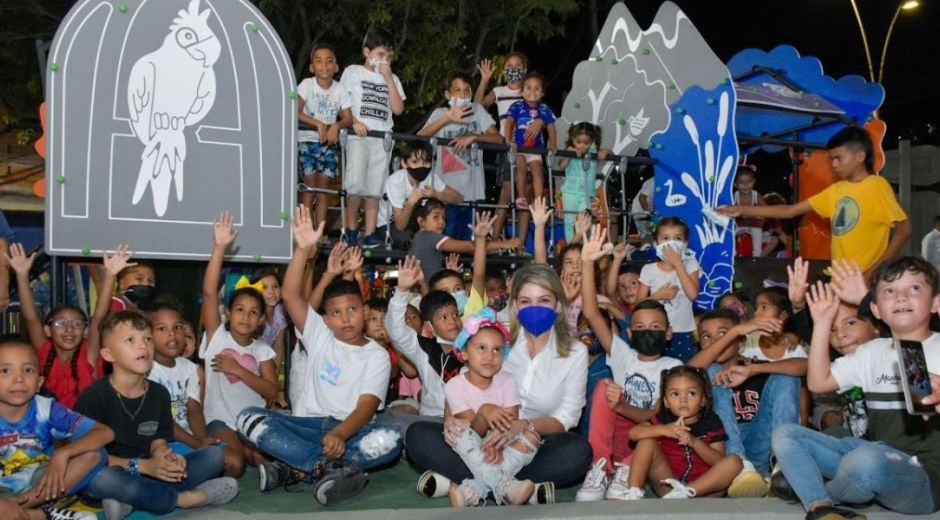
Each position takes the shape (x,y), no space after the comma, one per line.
(473,324)
(243,282)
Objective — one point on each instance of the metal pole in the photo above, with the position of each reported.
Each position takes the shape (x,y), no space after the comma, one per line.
(904,182)
(794,197)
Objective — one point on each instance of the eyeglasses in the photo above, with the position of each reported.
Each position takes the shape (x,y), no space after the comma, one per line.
(64,324)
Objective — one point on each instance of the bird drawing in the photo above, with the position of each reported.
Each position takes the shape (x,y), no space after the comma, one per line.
(169,90)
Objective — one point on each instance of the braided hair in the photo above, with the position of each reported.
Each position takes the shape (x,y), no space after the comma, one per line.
(50,357)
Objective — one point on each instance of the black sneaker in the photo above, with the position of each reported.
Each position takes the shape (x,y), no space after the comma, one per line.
(338,481)
(833,513)
(273,475)
(781,487)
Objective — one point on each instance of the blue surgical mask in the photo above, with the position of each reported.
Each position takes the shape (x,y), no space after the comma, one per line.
(537,319)
(461,296)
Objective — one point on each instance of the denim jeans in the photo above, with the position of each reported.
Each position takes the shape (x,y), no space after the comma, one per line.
(563,458)
(821,468)
(779,404)
(296,440)
(459,220)
(486,476)
(152,495)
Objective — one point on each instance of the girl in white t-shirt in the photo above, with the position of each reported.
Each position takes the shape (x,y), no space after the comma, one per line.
(240,370)
(482,405)
(674,281)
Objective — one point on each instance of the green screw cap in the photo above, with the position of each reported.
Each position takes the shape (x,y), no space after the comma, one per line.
(613,61)
(711,178)
(659,146)
(256,257)
(285,215)
(671,86)
(739,285)
(724,81)
(646,51)
(710,101)
(255,28)
(367,253)
(711,283)
(60,179)
(658,189)
(599,59)
(292,94)
(122,8)
(53,66)
(621,121)
(86,251)
(680,111)
(577,105)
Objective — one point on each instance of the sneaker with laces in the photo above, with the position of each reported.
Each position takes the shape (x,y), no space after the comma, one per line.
(595,483)
(618,489)
(544,493)
(748,484)
(58,513)
(352,236)
(433,485)
(632,494)
(515,492)
(114,510)
(679,489)
(339,481)
(833,513)
(273,475)
(463,496)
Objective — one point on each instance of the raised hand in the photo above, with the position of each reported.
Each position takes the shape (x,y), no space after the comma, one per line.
(797,286)
(19,262)
(453,262)
(823,304)
(305,235)
(334,264)
(352,259)
(484,224)
(540,211)
(486,70)
(571,281)
(582,223)
(409,273)
(116,262)
(761,326)
(848,281)
(620,251)
(595,245)
(223,230)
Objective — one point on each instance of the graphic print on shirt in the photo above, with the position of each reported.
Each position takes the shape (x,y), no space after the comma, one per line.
(845,217)
(330,373)
(247,361)
(453,161)
(20,449)
(746,398)
(321,104)
(640,392)
(374,101)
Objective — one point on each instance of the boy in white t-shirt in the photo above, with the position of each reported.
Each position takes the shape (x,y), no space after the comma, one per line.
(325,104)
(899,465)
(464,122)
(377,94)
(331,437)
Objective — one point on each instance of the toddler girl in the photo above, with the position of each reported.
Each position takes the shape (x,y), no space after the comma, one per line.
(579,189)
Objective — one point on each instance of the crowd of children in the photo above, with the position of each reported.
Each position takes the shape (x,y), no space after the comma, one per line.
(595,373)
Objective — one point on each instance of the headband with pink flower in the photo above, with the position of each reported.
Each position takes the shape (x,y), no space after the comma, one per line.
(473,324)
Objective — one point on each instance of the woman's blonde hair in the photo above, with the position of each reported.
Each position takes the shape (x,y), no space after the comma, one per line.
(546,278)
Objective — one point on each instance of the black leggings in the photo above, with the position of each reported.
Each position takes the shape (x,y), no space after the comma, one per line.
(563,458)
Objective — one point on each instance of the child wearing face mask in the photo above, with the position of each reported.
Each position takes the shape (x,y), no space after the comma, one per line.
(463,122)
(632,397)
(673,281)
(136,285)
(514,70)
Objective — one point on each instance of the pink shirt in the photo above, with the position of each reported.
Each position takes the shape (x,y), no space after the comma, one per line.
(463,396)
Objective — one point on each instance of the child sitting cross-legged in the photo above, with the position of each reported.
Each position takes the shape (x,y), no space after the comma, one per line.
(683,446)
(180,377)
(143,472)
(482,405)
(35,472)
(331,437)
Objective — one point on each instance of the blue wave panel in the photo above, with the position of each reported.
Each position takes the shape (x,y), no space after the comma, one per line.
(697,157)
(853,94)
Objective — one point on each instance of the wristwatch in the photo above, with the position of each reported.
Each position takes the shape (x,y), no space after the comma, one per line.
(133,466)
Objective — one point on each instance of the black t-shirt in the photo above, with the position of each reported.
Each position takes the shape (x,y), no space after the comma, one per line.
(132,437)
(447,365)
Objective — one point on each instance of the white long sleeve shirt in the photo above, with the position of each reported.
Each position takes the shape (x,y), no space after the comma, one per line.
(405,341)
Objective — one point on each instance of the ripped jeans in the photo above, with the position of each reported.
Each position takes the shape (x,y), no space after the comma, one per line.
(487,477)
(296,440)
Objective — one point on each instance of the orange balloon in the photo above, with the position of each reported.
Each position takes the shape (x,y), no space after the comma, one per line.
(40,144)
(39,188)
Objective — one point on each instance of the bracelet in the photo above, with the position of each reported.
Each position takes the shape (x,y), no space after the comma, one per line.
(133,467)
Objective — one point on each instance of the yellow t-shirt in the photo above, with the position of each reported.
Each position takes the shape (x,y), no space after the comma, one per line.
(861,215)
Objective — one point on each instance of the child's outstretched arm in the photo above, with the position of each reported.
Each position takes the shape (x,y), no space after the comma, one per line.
(4,275)
(404,339)
(593,249)
(725,347)
(224,233)
(540,217)
(334,268)
(480,230)
(452,245)
(113,264)
(486,73)
(823,306)
(613,274)
(21,264)
(306,237)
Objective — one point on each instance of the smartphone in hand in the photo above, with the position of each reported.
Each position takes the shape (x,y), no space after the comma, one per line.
(915,378)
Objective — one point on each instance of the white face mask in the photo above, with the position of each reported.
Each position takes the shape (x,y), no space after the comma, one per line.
(460,101)
(376,63)
(677,245)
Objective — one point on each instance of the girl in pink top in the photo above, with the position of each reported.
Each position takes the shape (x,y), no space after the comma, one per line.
(482,408)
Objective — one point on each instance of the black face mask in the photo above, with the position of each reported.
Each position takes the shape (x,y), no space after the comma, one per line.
(419,174)
(139,294)
(649,342)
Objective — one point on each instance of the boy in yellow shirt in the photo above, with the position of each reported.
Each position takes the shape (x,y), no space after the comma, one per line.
(861,206)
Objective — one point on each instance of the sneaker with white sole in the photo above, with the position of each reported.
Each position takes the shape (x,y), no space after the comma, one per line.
(617,490)
(632,494)
(679,489)
(218,491)
(339,481)
(595,483)
(463,496)
(114,510)
(544,493)
(433,485)
(58,513)
(748,484)
(515,492)
(273,475)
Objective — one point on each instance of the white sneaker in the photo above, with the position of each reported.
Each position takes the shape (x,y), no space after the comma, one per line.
(632,494)
(679,489)
(544,493)
(617,490)
(433,485)
(595,483)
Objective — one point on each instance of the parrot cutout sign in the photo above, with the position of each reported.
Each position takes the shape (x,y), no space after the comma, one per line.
(664,89)
(162,114)
(182,68)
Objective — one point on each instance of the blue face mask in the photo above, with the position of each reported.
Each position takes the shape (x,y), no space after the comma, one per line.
(461,297)
(536,319)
